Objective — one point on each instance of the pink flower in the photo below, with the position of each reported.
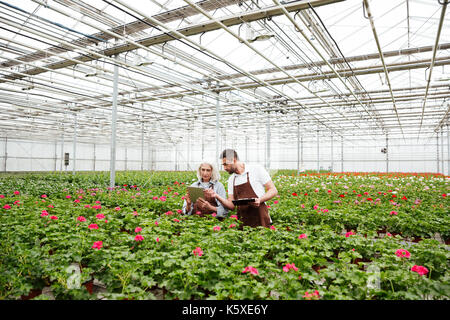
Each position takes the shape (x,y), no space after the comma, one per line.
(162,198)
(77,201)
(275,202)
(179,211)
(402,253)
(168,213)
(135,213)
(302,236)
(54,217)
(214,214)
(176,220)
(197,252)
(324,210)
(273,228)
(388,234)
(117,208)
(393,213)
(93,226)
(44,196)
(313,295)
(316,207)
(290,266)
(138,229)
(157,239)
(2,196)
(87,206)
(97,202)
(50,206)
(156,223)
(97,245)
(348,234)
(216,228)
(165,192)
(155,198)
(233,216)
(44,213)
(419,269)
(16,192)
(232,225)
(68,196)
(302,206)
(100,216)
(138,238)
(251,270)
(81,219)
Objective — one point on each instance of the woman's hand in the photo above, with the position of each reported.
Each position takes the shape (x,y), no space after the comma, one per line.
(187,197)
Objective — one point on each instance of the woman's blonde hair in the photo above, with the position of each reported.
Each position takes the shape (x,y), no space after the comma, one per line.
(215,175)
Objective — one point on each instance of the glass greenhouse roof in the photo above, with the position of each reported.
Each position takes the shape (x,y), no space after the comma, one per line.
(343,68)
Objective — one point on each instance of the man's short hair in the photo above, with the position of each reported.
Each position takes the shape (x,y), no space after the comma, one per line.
(229,154)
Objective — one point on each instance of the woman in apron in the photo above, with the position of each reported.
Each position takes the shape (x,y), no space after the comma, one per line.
(208,179)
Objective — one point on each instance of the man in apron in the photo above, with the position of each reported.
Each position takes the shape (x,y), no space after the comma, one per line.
(247,181)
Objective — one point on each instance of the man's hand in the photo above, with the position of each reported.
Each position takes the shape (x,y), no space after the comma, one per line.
(256,203)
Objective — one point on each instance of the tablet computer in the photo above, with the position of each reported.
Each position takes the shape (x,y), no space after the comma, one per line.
(241,202)
(195,193)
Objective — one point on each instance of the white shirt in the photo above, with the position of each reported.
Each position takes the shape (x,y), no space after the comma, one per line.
(257,175)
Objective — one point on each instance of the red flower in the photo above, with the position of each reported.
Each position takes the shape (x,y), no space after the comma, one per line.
(176,220)
(197,252)
(402,253)
(93,226)
(100,216)
(393,213)
(232,225)
(54,217)
(138,238)
(251,270)
(341,196)
(314,295)
(294,194)
(404,198)
(419,269)
(302,236)
(290,266)
(97,245)
(350,233)
(16,193)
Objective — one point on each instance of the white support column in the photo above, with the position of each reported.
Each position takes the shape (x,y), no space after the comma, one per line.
(6,154)
(448,151)
(203,138)
(246,147)
(216,156)
(342,153)
(437,152)
(126,158)
(74,146)
(387,154)
(142,145)
(268,141)
(442,151)
(301,151)
(188,163)
(94,160)
(298,147)
(56,155)
(318,160)
(112,163)
(332,156)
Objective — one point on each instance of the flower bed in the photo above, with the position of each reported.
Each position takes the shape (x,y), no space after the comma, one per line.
(333,236)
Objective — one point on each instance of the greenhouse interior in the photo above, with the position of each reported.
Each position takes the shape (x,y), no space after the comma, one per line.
(117,104)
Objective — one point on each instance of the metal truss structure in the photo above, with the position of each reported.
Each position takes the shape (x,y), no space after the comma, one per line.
(153,72)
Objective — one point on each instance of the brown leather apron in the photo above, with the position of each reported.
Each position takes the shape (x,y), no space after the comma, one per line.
(209,199)
(250,216)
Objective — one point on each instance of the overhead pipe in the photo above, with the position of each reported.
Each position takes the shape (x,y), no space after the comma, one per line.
(433,59)
(369,14)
